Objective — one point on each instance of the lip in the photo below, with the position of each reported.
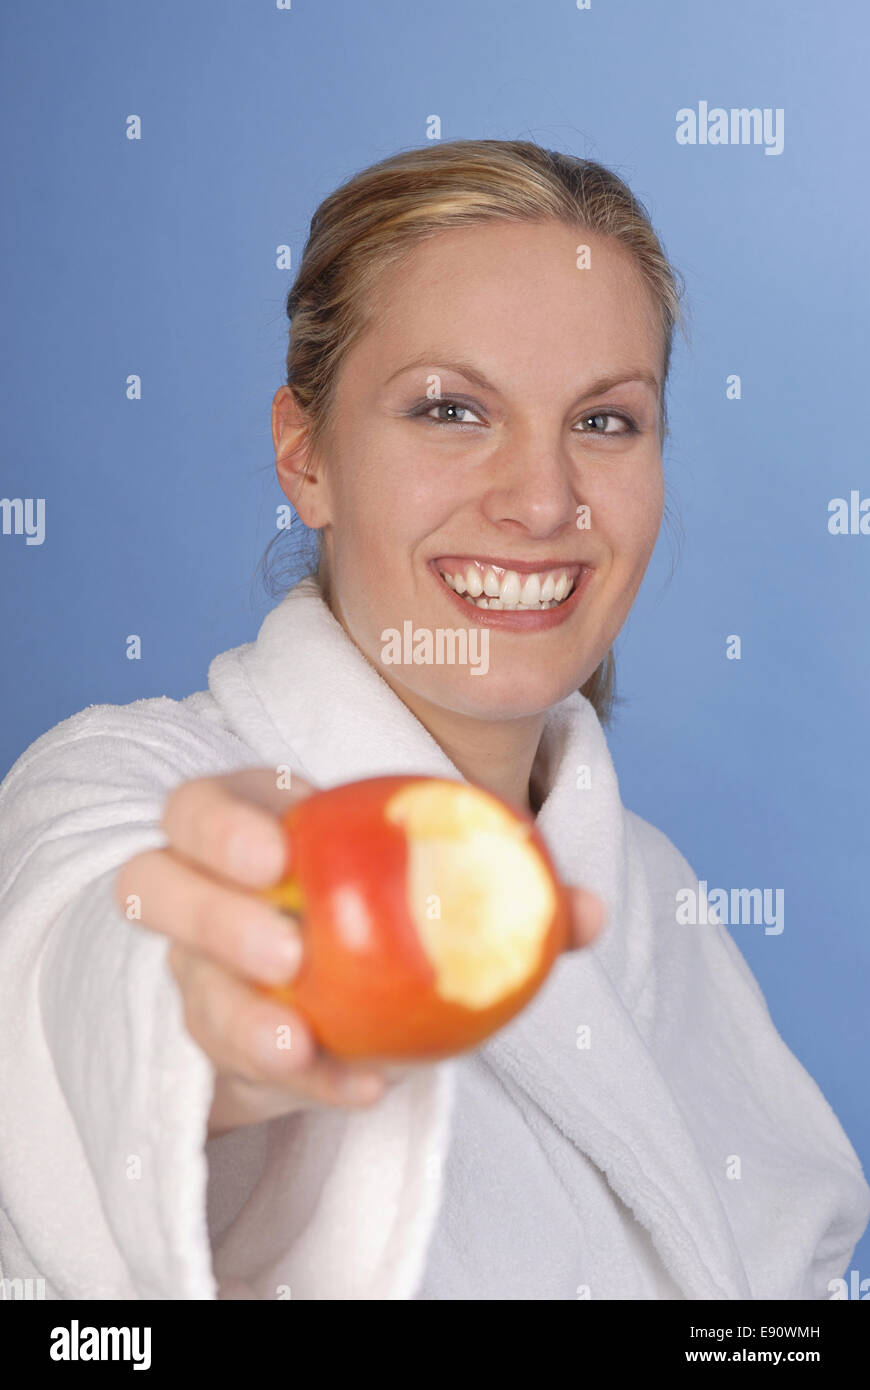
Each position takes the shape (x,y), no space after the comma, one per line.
(530,620)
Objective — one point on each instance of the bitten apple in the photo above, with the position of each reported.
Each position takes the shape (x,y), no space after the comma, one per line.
(430,913)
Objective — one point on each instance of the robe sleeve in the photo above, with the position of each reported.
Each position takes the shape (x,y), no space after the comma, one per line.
(104,1160)
(105,1096)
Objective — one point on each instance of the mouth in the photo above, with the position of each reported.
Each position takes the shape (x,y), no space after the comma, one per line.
(514,594)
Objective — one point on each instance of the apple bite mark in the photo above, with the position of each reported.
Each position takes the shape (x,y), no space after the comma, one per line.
(430,914)
(494,898)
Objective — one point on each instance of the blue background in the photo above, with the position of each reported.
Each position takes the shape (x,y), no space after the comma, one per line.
(157,257)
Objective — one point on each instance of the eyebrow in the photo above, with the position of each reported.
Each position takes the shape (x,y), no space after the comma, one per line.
(594,388)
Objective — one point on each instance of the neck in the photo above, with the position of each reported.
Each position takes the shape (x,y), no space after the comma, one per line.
(498,755)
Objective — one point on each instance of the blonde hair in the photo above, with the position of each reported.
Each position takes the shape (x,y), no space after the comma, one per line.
(378,215)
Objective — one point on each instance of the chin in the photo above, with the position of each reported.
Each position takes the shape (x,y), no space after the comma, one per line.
(495,696)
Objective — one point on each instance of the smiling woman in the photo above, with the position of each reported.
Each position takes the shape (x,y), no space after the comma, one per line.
(472,424)
(535,279)
(396,491)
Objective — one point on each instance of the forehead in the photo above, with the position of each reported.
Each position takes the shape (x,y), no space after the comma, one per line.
(516,296)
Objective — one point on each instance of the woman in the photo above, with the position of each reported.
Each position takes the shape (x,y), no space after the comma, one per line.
(473,424)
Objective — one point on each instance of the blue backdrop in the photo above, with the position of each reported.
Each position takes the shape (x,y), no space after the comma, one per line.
(160,257)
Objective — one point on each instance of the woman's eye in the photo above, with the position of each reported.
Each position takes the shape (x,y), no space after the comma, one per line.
(455,413)
(460,413)
(627,427)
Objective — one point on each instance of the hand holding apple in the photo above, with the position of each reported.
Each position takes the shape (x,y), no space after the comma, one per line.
(431,914)
(204,891)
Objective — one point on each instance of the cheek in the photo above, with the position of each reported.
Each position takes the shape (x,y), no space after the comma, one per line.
(367,517)
(385,497)
(377,523)
(633,517)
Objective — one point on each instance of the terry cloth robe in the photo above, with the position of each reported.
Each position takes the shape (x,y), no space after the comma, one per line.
(640,1130)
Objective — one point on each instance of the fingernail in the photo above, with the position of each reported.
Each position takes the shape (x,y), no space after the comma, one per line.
(272,952)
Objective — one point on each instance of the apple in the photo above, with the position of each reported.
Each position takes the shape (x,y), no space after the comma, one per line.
(430,913)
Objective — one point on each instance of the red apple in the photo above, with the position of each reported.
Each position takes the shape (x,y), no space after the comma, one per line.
(430,913)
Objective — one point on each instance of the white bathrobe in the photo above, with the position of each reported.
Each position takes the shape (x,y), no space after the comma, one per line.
(639,1131)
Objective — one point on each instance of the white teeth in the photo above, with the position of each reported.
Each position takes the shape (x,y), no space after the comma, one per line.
(531,590)
(509,593)
(485,602)
(473,582)
(513,592)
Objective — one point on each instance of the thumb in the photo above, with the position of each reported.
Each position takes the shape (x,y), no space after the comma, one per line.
(588,914)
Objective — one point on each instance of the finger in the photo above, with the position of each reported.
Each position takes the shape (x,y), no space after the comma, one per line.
(230,824)
(588,914)
(265,788)
(231,927)
(266,1043)
(237,1101)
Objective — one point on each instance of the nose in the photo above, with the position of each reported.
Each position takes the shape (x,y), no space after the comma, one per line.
(533,487)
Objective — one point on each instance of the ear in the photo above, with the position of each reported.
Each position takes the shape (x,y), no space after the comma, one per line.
(294,464)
